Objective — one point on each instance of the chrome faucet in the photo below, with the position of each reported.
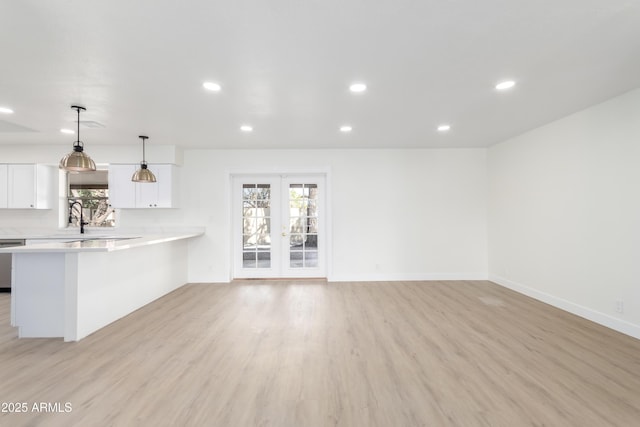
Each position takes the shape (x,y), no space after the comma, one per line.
(82,223)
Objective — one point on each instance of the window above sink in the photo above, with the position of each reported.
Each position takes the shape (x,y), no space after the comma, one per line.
(91,189)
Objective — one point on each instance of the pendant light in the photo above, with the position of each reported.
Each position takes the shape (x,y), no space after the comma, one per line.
(77,160)
(143,174)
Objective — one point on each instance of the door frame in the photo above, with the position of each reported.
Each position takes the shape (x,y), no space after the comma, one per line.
(282,173)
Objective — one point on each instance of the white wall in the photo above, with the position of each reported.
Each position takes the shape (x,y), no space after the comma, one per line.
(564,213)
(396,214)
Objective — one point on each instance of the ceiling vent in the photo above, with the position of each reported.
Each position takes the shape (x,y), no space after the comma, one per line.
(91,124)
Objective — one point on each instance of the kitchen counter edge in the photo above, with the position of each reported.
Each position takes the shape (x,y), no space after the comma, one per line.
(99,244)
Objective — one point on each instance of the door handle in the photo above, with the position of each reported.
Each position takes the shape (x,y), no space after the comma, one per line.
(284,234)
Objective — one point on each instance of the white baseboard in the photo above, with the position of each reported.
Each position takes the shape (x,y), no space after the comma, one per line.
(384,277)
(603,319)
(375,277)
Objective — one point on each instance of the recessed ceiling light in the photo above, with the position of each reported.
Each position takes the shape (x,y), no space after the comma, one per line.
(358,87)
(214,87)
(67,131)
(6,110)
(444,128)
(346,128)
(246,128)
(507,84)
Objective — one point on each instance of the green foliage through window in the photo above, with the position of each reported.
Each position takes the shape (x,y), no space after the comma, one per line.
(96,210)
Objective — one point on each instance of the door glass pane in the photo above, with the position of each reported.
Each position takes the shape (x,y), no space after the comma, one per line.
(311,259)
(249,259)
(303,225)
(296,241)
(256,226)
(249,243)
(311,243)
(296,259)
(264,259)
(248,225)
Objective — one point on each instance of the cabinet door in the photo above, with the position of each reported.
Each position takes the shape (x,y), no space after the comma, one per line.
(159,194)
(122,191)
(147,194)
(4,187)
(46,189)
(22,186)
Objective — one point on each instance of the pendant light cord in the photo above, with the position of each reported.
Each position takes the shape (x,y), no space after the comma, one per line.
(78,143)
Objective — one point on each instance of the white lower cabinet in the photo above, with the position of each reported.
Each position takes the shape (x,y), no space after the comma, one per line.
(124,193)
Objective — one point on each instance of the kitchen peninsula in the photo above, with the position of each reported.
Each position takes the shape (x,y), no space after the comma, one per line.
(72,289)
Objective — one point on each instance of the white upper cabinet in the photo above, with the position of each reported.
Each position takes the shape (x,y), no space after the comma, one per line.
(26,186)
(124,193)
(4,187)
(163,192)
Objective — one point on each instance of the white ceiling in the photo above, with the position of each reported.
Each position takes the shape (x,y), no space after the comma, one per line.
(285,66)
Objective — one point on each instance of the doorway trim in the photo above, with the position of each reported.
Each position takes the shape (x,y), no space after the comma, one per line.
(281,172)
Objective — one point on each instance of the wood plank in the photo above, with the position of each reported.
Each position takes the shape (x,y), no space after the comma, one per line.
(311,353)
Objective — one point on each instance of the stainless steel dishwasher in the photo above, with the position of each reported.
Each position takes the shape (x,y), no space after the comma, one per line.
(5,263)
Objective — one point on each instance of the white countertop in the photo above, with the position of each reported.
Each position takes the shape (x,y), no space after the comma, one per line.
(96,243)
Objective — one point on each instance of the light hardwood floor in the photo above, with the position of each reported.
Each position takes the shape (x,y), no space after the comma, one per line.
(308,353)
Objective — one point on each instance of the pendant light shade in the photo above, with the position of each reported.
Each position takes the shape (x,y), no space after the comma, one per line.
(77,160)
(143,174)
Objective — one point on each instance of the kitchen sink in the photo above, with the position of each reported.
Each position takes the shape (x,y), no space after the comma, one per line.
(109,238)
(97,239)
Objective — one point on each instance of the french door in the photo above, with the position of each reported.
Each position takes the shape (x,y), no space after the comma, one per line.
(278,226)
